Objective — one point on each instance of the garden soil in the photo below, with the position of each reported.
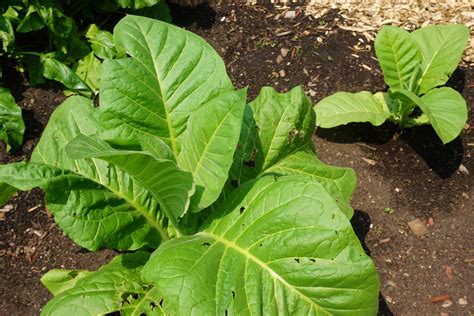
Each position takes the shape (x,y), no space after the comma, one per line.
(402,175)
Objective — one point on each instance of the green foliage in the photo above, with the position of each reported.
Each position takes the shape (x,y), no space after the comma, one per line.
(12,126)
(72,48)
(414,65)
(241,214)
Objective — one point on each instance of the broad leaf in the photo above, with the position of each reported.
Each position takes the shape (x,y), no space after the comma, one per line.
(208,145)
(102,42)
(171,74)
(170,186)
(12,126)
(441,47)
(31,22)
(58,281)
(398,55)
(344,107)
(6,192)
(285,122)
(88,70)
(97,204)
(159,11)
(277,246)
(56,70)
(136,4)
(339,182)
(6,34)
(115,287)
(445,109)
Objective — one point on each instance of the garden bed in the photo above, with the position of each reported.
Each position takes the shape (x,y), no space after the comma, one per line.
(402,176)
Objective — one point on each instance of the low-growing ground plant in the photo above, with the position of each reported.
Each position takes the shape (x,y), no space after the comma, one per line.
(414,66)
(12,126)
(222,205)
(55,39)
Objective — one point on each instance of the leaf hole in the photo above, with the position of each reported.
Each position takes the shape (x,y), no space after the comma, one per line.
(297,260)
(333,216)
(250,163)
(336,232)
(161,302)
(242,209)
(261,245)
(234,183)
(206,244)
(233,294)
(226,312)
(312,260)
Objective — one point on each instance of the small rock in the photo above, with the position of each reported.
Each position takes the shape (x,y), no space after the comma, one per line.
(447,303)
(465,195)
(312,92)
(319,39)
(462,169)
(389,299)
(290,14)
(282,73)
(397,190)
(279,59)
(430,222)
(462,301)
(6,208)
(223,19)
(418,227)
(284,52)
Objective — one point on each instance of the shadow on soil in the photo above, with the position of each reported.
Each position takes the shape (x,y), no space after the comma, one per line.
(361,223)
(444,159)
(203,15)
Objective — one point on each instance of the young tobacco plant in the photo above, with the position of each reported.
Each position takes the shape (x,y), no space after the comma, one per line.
(414,66)
(69,52)
(12,126)
(242,216)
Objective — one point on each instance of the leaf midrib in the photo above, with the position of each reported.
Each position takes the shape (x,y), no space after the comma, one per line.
(263,265)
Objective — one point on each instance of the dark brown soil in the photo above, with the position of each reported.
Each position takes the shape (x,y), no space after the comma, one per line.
(410,172)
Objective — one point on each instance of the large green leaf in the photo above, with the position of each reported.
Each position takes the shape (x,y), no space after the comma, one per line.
(115,287)
(445,109)
(12,126)
(88,70)
(339,182)
(6,34)
(277,246)
(285,122)
(136,4)
(208,145)
(170,74)
(31,22)
(100,205)
(344,107)
(398,55)
(441,47)
(102,42)
(170,186)
(55,70)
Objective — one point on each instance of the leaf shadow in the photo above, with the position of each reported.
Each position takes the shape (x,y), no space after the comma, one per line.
(359,132)
(443,159)
(203,15)
(361,224)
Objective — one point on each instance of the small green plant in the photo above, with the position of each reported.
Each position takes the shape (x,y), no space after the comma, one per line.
(12,126)
(242,216)
(414,66)
(68,52)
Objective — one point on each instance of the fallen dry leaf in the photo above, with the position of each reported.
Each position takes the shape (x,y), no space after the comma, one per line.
(449,272)
(418,227)
(441,298)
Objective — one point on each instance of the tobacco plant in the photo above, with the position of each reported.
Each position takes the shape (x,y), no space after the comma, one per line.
(415,66)
(226,201)
(71,48)
(12,126)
